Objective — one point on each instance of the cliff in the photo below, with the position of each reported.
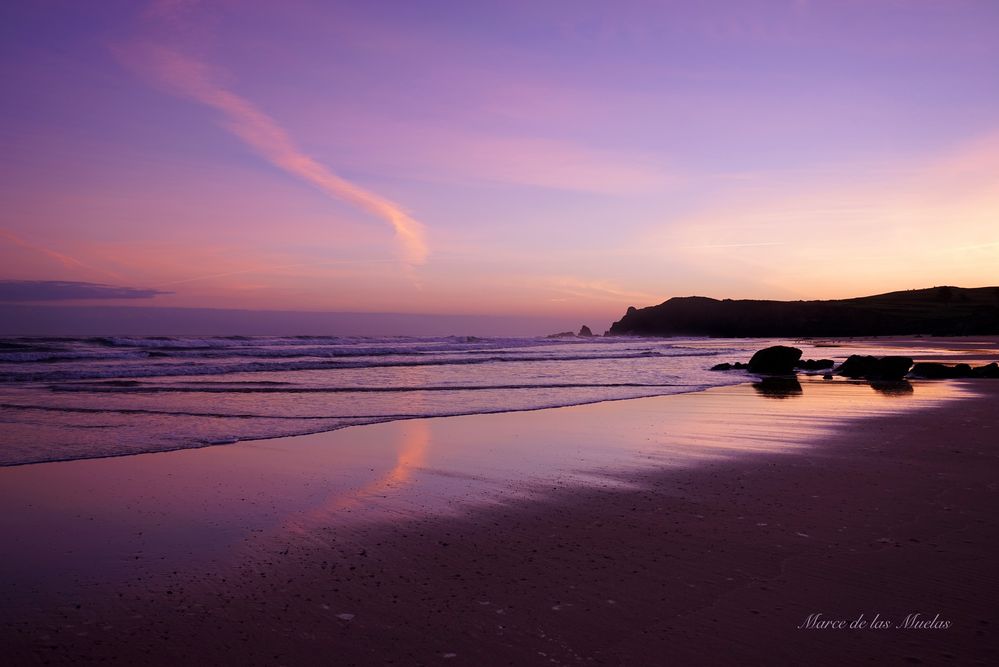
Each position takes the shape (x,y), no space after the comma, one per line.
(936,311)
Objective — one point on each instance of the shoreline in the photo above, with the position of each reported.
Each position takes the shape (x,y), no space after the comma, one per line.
(198,430)
(675,544)
(749,381)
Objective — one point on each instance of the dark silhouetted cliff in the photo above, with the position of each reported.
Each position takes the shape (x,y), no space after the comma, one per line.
(939,311)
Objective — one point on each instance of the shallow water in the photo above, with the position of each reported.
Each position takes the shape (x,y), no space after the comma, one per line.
(72,398)
(71,525)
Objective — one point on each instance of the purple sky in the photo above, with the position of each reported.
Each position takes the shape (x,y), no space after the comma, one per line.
(542,158)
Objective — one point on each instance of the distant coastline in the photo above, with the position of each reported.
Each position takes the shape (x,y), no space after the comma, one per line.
(936,311)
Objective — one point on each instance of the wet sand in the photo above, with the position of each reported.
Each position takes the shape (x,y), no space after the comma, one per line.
(693,529)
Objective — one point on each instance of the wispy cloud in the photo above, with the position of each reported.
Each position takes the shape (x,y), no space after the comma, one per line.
(426,151)
(62,258)
(596,290)
(731,245)
(191,78)
(275,267)
(60,290)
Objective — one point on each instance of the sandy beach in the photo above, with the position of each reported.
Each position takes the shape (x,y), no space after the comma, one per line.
(700,528)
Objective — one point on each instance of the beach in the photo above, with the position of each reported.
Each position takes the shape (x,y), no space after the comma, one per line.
(698,528)
(499,333)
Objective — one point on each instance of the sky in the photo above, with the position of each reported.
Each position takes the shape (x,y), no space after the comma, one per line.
(562,159)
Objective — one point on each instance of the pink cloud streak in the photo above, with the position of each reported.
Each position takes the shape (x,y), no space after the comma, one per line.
(65,260)
(191,78)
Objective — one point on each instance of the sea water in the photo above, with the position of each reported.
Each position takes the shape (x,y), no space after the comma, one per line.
(70,398)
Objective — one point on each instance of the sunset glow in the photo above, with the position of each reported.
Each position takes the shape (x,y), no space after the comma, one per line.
(515,159)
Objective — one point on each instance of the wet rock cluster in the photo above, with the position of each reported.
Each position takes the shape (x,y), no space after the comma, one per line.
(786,360)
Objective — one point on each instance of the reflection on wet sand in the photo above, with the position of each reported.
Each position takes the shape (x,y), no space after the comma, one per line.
(778,387)
(413,446)
(788,387)
(893,387)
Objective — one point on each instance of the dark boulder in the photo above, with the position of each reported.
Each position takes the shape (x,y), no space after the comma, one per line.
(933,371)
(989,371)
(740,365)
(874,368)
(858,366)
(722,367)
(815,364)
(584,332)
(892,368)
(776,360)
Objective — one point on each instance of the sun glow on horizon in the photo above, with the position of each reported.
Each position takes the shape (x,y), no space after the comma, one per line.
(506,160)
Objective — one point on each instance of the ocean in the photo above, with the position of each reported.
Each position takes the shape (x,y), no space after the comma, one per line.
(72,398)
